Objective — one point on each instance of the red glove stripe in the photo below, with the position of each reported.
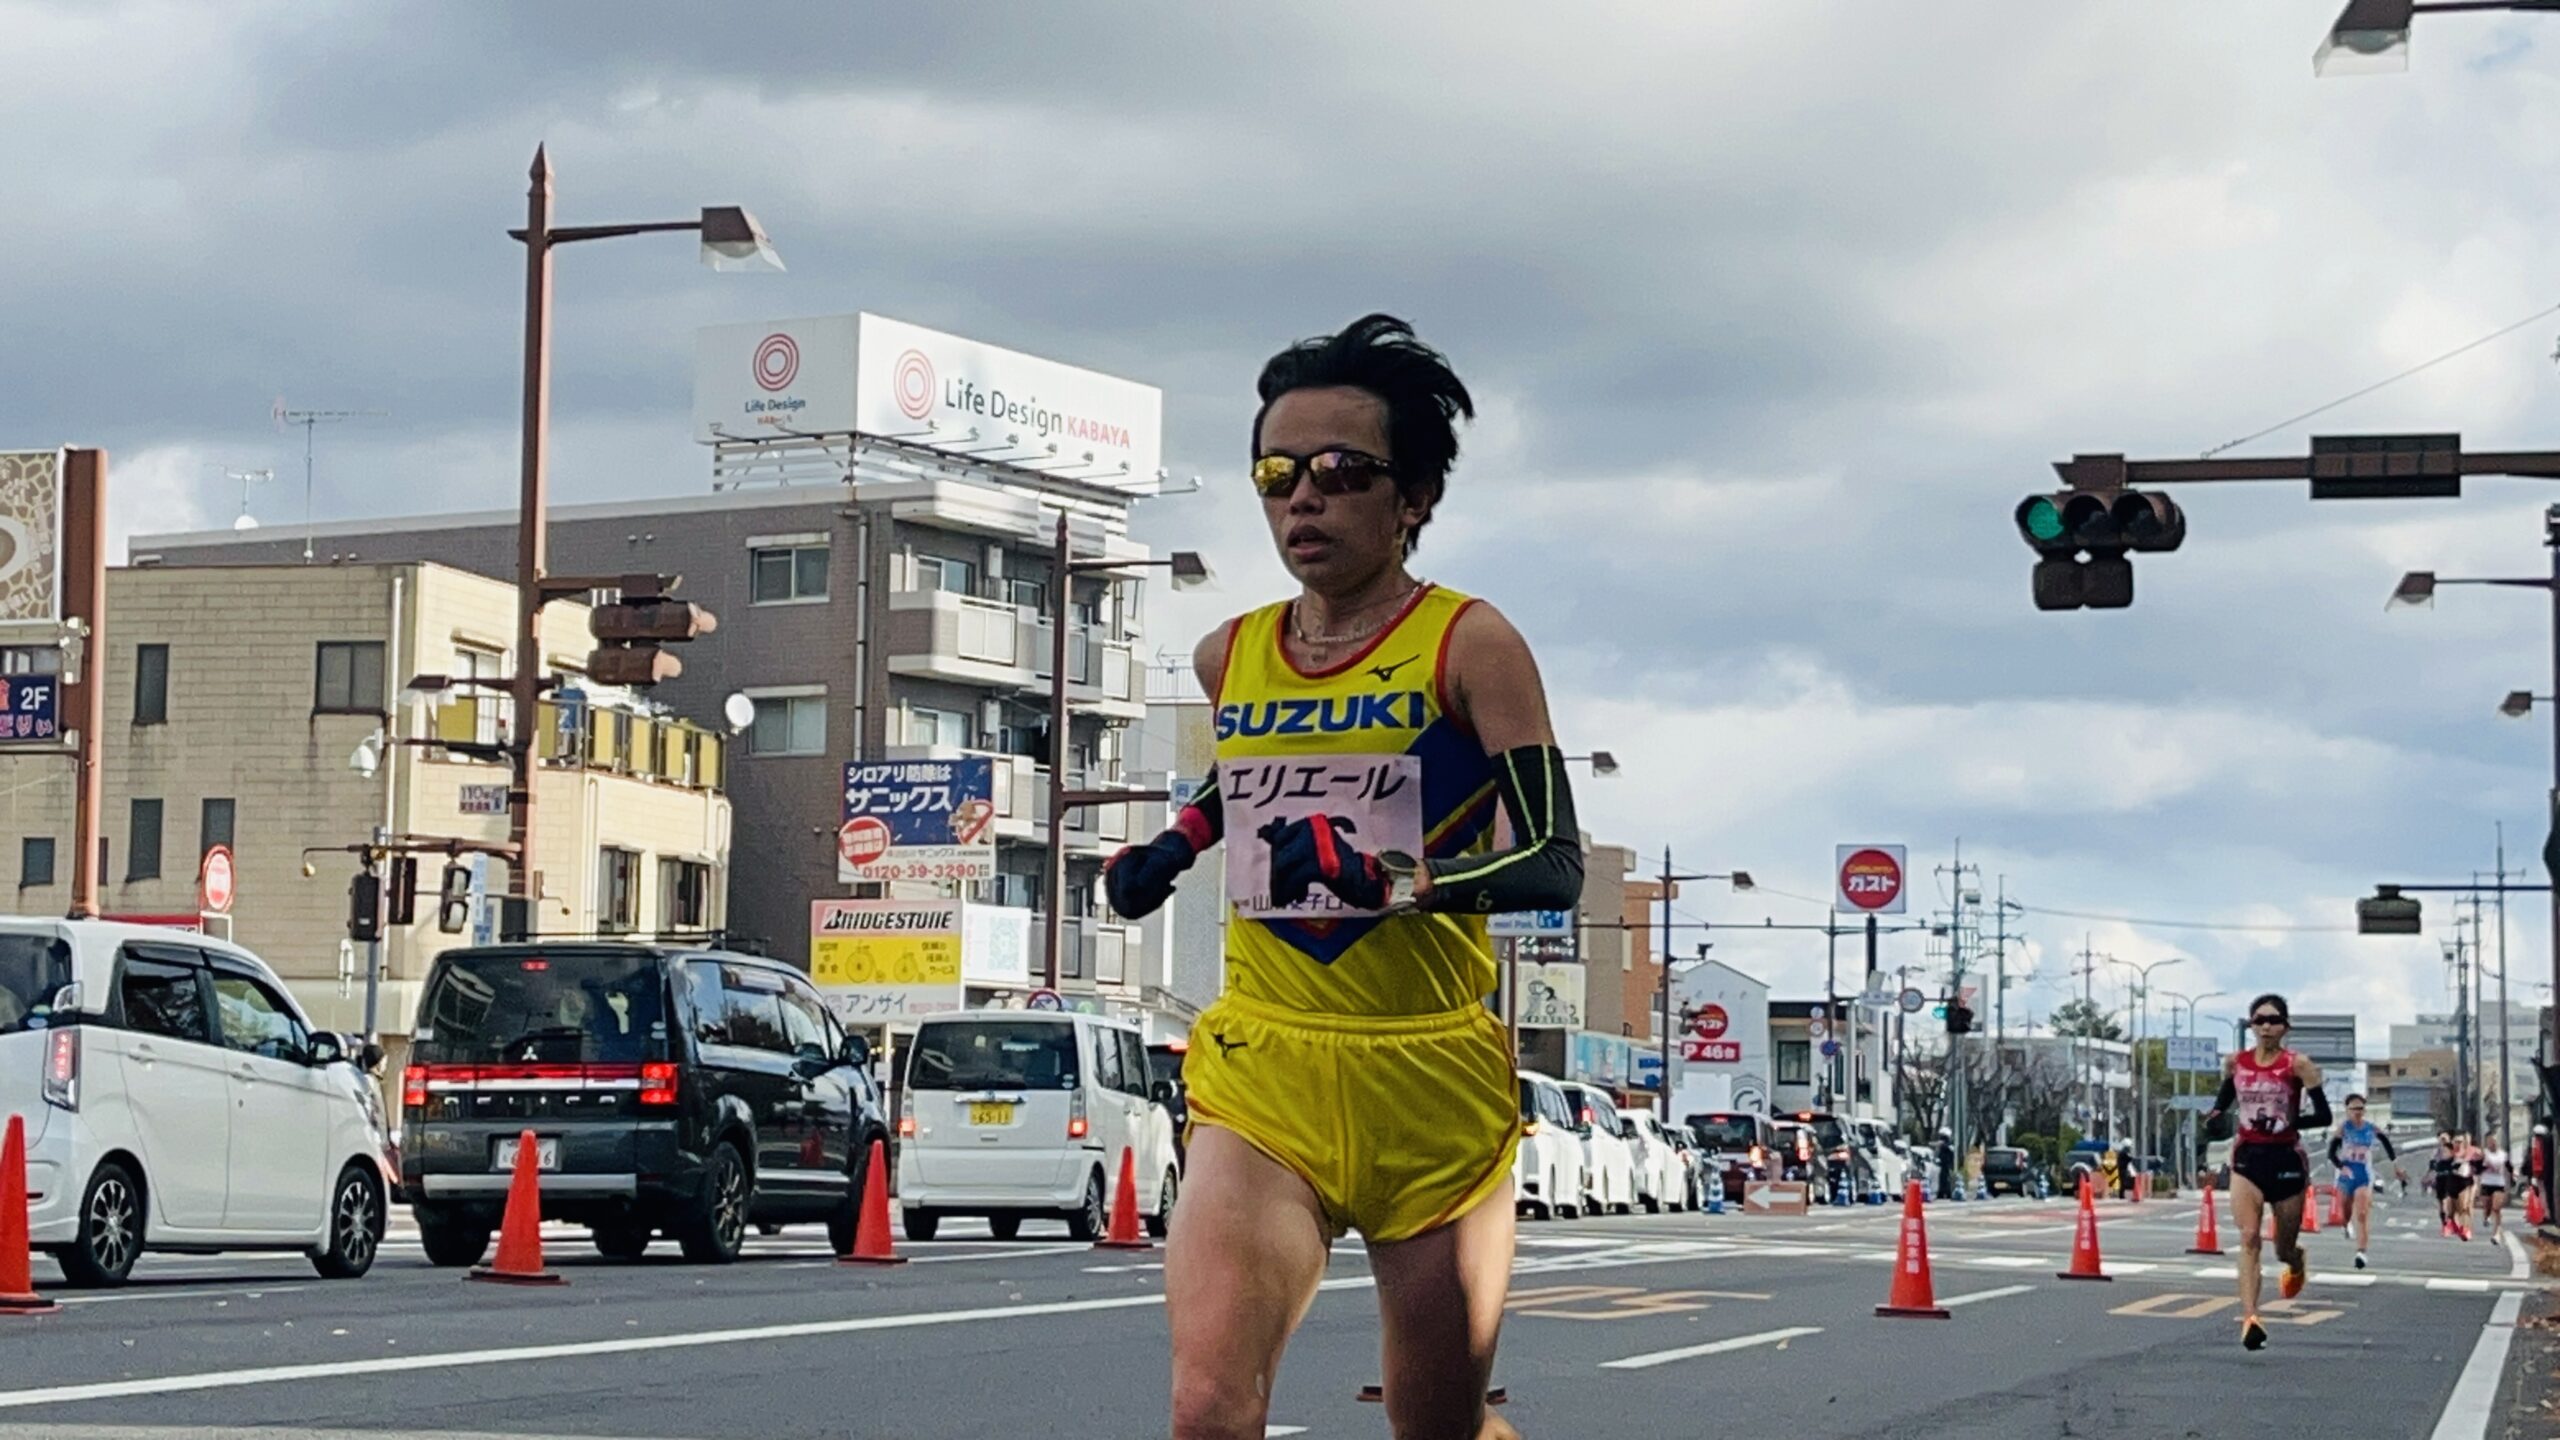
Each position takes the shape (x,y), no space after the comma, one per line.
(1193,826)
(1328,859)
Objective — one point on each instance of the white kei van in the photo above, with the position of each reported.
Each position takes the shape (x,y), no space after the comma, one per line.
(1011,1114)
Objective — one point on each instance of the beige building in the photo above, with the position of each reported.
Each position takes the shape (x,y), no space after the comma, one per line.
(261,707)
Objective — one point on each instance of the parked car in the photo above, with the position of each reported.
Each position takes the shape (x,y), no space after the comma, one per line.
(1015,1114)
(2006,1167)
(176,1098)
(1843,1164)
(670,1090)
(1546,1169)
(1739,1146)
(1887,1164)
(1164,1063)
(1797,1157)
(1661,1175)
(1699,1181)
(1608,1161)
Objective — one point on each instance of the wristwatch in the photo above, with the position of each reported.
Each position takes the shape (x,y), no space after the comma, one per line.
(1399,868)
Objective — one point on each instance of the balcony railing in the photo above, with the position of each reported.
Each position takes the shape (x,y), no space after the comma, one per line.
(667,752)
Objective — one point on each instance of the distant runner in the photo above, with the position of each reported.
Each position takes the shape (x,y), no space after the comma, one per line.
(2351,1151)
(2261,1102)
(2493,1182)
(2444,1180)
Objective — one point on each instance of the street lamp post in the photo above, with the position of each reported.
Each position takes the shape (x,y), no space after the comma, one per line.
(731,240)
(2141,997)
(1741,881)
(1189,571)
(2371,37)
(2177,1082)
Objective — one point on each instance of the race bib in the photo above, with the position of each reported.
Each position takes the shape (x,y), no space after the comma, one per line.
(1375,802)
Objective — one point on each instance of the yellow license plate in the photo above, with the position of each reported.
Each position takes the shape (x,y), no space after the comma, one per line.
(990,1112)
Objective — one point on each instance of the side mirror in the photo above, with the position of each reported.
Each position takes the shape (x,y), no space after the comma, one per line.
(370,1057)
(856,1052)
(1161,1092)
(327,1048)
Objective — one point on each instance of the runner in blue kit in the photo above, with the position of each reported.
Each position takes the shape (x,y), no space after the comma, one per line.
(2351,1151)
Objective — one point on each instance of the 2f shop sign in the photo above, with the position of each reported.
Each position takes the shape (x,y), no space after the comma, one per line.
(1869,880)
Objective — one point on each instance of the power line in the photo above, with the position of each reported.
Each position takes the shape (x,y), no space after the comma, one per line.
(2499,333)
(2142,923)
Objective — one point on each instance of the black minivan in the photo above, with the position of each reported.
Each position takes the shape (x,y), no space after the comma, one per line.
(670,1090)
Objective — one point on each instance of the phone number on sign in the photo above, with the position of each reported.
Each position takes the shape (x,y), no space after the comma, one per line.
(927,870)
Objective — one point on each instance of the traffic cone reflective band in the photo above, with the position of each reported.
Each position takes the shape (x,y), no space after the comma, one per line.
(2208,1233)
(2311,1214)
(871,1226)
(2084,1240)
(2533,1211)
(2337,1205)
(1124,1209)
(17,1287)
(1913,1292)
(520,1232)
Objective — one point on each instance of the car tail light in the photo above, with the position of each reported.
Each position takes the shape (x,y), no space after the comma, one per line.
(62,1069)
(1076,1126)
(413,1088)
(658,1083)
(1759,1156)
(906,1114)
(1528,1127)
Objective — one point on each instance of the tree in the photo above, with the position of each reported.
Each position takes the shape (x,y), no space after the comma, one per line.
(2083,1019)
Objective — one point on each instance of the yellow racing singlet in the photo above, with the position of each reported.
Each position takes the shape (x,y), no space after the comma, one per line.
(1371,742)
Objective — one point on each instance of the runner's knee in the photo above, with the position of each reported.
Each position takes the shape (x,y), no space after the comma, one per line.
(1215,1407)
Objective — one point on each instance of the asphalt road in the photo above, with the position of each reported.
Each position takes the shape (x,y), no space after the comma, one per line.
(1629,1328)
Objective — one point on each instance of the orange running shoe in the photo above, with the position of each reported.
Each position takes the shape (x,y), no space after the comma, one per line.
(2291,1284)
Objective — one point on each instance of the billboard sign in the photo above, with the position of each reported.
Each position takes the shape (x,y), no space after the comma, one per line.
(1869,880)
(774,378)
(30,707)
(995,946)
(878,961)
(918,820)
(1551,996)
(933,389)
(1512,924)
(2195,1053)
(30,535)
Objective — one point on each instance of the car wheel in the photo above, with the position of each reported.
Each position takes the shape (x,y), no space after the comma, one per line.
(1160,1223)
(355,1225)
(450,1238)
(919,1224)
(1652,1204)
(717,1230)
(1085,1222)
(1005,1227)
(622,1240)
(110,1235)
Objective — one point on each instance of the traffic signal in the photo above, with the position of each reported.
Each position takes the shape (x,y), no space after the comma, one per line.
(364,906)
(630,631)
(1959,1018)
(401,905)
(453,900)
(2101,525)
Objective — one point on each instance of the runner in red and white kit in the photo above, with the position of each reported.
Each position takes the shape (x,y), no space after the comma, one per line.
(2262,1094)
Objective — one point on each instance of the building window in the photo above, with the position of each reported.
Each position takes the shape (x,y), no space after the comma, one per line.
(151,685)
(787,573)
(142,851)
(31,660)
(490,704)
(1009,887)
(35,861)
(218,818)
(941,572)
(684,895)
(1795,1062)
(1029,594)
(937,727)
(617,890)
(348,678)
(788,725)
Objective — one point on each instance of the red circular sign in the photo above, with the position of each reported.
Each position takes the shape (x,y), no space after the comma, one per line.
(863,840)
(913,383)
(214,884)
(1870,879)
(777,361)
(1710,1021)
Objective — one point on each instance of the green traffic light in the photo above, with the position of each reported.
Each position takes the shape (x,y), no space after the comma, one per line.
(2044,519)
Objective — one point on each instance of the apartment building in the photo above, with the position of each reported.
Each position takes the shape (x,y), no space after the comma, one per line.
(895,608)
(261,708)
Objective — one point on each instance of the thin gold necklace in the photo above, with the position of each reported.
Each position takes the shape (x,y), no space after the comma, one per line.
(1298,621)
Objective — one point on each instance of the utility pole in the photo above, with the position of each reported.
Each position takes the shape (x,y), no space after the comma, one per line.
(1956,1047)
(2506,1104)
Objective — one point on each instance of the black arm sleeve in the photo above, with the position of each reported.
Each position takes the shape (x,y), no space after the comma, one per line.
(2389,1152)
(2334,1142)
(2320,1117)
(2228,1096)
(1543,870)
(1204,821)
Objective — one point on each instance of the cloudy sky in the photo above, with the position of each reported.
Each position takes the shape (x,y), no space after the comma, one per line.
(1774,311)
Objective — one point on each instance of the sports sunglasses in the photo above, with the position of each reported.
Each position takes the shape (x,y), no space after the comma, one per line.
(1339,471)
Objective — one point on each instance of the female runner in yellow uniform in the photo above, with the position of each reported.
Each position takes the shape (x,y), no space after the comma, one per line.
(1352,1077)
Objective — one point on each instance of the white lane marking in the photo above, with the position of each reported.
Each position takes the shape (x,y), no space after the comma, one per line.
(2005,1262)
(2522,1267)
(233,1292)
(2130,1267)
(1270,1430)
(2467,1411)
(1120,1269)
(1015,1253)
(2464,1287)
(622,1345)
(1952,1301)
(1713,1347)
(2358,1280)
(2217,1272)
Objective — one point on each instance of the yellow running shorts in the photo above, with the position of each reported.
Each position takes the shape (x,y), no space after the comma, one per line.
(1400,1123)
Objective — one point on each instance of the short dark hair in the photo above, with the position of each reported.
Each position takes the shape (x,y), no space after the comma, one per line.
(2355,1099)
(1424,398)
(2271,998)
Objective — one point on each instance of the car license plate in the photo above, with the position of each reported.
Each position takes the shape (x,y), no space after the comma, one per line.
(990,1112)
(546,1154)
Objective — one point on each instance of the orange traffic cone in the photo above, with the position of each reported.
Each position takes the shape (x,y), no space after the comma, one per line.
(2311,1213)
(2534,1214)
(2208,1232)
(1913,1292)
(2084,1241)
(520,1231)
(17,1287)
(871,1227)
(1124,1209)
(2337,1206)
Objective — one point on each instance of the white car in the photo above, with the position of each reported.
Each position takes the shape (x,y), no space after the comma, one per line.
(1012,1114)
(1546,1171)
(1886,1160)
(1608,1162)
(177,1099)
(1661,1172)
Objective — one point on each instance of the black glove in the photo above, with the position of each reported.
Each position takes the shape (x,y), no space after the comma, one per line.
(1310,851)
(1140,878)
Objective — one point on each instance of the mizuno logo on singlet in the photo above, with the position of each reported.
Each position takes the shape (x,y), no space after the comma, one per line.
(1226,1046)
(1337,715)
(1386,673)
